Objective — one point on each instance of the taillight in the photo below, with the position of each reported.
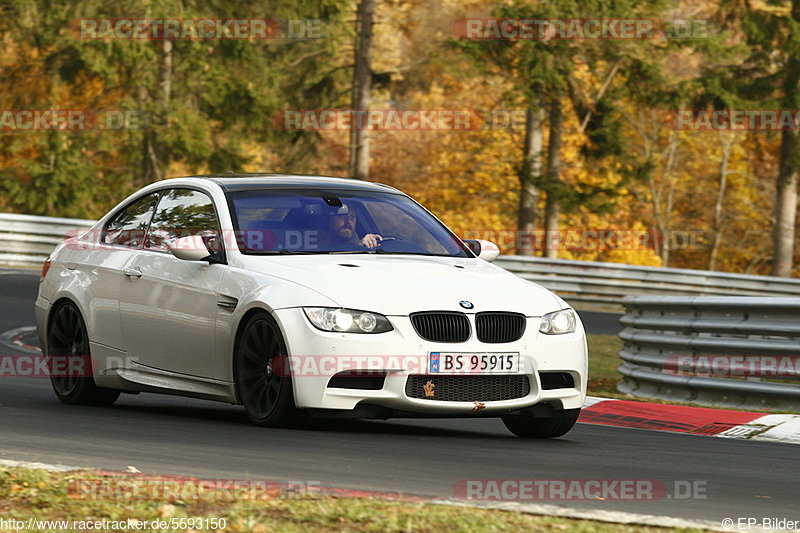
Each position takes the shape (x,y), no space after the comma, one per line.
(45,269)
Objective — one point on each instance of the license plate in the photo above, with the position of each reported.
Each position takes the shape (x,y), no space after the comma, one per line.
(473,363)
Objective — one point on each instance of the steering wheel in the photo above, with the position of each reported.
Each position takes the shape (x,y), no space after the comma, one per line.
(389,238)
(400,245)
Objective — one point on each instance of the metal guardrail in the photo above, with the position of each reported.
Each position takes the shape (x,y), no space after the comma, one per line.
(26,240)
(670,313)
(725,351)
(608,283)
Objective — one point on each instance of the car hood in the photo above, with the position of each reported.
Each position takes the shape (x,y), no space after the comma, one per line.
(400,285)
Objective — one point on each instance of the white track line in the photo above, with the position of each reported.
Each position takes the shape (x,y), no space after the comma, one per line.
(617,517)
(39,466)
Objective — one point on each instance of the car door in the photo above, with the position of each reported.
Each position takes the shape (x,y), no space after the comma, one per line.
(168,306)
(121,238)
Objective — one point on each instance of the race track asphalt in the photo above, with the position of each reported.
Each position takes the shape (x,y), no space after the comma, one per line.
(170,435)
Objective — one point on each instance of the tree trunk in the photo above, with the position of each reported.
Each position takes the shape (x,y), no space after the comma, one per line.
(716,239)
(531,171)
(786,191)
(553,187)
(662,194)
(785,206)
(165,77)
(150,167)
(362,78)
(154,153)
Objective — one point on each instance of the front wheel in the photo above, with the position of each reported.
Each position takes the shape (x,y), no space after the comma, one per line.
(531,427)
(69,361)
(263,383)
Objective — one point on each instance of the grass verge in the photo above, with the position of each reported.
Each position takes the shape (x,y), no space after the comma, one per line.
(44,495)
(603,363)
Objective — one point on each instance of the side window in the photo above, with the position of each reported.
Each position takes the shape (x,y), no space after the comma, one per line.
(181,213)
(128,227)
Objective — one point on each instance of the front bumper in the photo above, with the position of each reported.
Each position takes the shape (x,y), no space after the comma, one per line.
(316,356)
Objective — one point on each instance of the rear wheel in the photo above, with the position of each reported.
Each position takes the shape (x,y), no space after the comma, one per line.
(531,427)
(69,361)
(263,380)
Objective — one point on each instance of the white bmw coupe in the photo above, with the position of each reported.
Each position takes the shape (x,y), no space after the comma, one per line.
(301,297)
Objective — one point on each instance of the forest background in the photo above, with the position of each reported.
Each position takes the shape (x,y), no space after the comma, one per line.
(573,151)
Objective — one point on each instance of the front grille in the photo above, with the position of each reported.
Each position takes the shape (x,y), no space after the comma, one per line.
(441,326)
(499,327)
(468,388)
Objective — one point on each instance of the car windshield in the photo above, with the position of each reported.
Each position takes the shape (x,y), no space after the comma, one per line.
(324,222)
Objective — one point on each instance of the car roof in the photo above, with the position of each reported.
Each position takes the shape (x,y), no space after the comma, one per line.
(256,181)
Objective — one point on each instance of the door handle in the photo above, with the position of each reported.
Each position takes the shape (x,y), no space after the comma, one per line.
(132,273)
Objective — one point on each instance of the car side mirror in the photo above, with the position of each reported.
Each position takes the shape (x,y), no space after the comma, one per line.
(192,248)
(486,250)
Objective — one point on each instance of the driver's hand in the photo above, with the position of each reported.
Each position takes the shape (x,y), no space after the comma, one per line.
(371,240)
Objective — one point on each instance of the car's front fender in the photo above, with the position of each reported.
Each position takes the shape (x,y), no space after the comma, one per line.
(242,292)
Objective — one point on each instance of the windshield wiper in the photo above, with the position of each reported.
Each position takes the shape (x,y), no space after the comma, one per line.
(285,251)
(387,252)
(373,251)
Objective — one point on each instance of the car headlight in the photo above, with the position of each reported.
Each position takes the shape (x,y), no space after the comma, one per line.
(558,322)
(347,320)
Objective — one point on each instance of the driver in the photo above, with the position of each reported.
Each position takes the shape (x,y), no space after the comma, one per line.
(342,229)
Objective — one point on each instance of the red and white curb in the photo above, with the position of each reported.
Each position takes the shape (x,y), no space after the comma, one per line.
(695,420)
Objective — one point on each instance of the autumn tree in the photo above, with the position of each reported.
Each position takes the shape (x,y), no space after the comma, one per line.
(201,100)
(767,77)
(545,71)
(362,83)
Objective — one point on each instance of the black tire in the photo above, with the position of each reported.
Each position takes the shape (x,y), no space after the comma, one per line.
(265,392)
(530,427)
(69,360)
